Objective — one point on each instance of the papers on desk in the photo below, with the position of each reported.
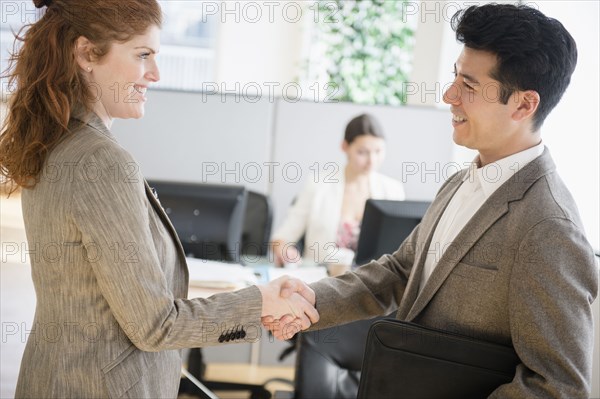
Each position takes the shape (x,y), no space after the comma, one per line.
(212,274)
(219,275)
(308,274)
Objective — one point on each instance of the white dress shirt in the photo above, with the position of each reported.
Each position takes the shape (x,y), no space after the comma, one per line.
(478,185)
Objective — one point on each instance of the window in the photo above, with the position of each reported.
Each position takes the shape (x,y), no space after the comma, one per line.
(187,54)
(187,40)
(361,51)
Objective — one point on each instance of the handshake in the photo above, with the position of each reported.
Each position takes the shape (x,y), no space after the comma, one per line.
(288,307)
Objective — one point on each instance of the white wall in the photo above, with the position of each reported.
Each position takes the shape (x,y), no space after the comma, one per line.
(259,44)
(419,146)
(201,138)
(264,145)
(571,130)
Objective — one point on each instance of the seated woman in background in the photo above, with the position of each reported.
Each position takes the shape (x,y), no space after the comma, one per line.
(328,214)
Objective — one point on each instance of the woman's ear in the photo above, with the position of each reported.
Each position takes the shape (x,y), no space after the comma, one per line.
(345,146)
(84,54)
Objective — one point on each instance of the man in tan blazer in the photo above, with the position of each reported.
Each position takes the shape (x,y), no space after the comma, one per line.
(501,253)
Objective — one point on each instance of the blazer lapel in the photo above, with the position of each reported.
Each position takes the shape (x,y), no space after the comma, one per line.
(426,229)
(485,217)
(165,219)
(493,209)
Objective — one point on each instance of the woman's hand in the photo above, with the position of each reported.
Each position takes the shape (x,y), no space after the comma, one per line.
(284,253)
(288,306)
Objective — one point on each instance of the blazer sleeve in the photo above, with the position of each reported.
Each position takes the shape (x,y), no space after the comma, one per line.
(374,289)
(554,282)
(110,209)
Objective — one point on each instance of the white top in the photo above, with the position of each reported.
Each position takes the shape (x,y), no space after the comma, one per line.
(478,185)
(317,213)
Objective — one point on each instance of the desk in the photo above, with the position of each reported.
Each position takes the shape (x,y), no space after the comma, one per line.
(265,351)
(244,363)
(223,277)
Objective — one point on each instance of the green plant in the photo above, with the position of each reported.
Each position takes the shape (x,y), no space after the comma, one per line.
(363,49)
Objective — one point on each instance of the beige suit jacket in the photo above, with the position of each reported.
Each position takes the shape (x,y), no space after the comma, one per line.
(111,281)
(520,272)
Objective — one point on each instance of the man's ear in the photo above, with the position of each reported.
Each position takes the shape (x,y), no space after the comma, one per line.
(528,102)
(84,53)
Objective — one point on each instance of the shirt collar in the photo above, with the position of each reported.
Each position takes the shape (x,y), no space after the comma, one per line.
(81,114)
(495,174)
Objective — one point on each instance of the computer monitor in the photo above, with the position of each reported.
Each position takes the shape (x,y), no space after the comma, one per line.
(208,218)
(385,225)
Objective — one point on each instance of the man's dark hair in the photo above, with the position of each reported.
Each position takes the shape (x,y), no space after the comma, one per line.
(534,52)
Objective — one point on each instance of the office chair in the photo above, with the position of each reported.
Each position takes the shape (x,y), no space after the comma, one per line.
(258,221)
(328,362)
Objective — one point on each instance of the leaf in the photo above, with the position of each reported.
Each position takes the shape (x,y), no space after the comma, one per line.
(366,45)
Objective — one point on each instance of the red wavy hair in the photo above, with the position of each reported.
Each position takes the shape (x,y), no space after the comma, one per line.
(48,82)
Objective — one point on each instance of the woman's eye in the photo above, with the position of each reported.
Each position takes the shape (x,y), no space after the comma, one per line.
(144,55)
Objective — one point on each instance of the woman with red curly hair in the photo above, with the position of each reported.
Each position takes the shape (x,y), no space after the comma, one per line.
(108,269)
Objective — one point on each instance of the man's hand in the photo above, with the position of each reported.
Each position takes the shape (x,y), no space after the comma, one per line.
(288,306)
(284,328)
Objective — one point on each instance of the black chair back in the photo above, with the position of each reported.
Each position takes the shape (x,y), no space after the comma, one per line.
(258,222)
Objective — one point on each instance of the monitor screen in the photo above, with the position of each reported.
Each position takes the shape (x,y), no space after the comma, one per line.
(208,218)
(385,225)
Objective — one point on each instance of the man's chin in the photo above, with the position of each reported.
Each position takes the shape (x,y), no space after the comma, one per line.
(459,139)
